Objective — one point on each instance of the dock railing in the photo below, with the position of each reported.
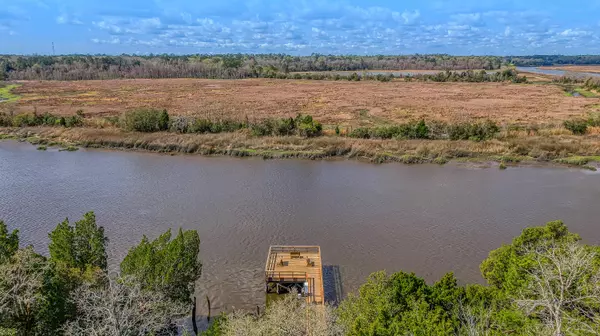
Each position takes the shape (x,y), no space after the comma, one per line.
(285,275)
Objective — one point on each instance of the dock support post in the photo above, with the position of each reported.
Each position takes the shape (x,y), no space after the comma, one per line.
(194,317)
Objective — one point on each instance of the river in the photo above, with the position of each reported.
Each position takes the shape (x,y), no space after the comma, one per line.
(426,219)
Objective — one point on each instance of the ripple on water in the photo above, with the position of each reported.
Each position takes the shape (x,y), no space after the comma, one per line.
(425,219)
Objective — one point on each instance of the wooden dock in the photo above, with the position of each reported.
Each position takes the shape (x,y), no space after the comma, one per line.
(295,268)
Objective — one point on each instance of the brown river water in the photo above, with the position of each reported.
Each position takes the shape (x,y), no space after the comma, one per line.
(425,219)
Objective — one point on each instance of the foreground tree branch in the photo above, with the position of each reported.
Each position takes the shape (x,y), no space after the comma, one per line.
(123,308)
(564,289)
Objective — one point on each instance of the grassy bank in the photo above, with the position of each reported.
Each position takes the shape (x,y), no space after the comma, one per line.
(507,148)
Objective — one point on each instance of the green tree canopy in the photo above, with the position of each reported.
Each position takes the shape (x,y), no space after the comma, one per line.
(82,246)
(505,268)
(170,266)
(402,304)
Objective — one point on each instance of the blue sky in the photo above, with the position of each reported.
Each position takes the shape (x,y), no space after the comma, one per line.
(299,27)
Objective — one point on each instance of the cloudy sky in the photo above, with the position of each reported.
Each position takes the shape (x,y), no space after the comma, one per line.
(299,27)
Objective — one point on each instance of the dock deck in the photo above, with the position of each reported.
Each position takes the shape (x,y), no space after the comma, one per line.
(292,265)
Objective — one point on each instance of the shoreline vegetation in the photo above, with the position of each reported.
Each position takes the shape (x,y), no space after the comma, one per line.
(574,142)
(552,146)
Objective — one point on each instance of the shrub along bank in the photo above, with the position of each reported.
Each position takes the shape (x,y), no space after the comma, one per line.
(149,120)
(419,141)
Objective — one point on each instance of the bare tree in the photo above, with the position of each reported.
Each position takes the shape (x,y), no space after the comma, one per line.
(122,308)
(21,282)
(474,320)
(564,289)
(288,316)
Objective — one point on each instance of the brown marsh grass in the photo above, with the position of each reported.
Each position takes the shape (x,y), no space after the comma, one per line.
(348,104)
(506,147)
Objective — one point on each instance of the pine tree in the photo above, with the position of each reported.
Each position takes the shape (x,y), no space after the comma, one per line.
(170,266)
(163,121)
(82,246)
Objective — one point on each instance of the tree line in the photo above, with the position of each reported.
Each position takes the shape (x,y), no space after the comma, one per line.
(506,75)
(89,67)
(232,66)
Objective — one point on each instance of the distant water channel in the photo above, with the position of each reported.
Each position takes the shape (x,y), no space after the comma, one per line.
(552,72)
(401,73)
(426,219)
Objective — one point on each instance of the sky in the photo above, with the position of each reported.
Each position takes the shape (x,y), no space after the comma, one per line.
(300,27)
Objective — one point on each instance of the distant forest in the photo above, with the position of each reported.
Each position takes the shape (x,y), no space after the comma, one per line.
(82,67)
(232,66)
(547,60)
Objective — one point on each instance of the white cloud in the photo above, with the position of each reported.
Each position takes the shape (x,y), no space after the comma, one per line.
(114,40)
(410,17)
(575,32)
(467,17)
(332,26)
(65,18)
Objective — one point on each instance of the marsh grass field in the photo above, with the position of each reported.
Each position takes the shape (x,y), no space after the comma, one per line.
(530,117)
(331,102)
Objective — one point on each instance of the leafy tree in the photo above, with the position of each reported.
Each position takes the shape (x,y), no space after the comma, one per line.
(485,310)
(505,268)
(78,257)
(62,246)
(9,243)
(308,127)
(402,304)
(169,266)
(82,247)
(56,310)
(421,130)
(163,121)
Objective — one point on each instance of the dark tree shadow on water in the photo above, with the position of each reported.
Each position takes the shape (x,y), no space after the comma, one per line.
(332,284)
